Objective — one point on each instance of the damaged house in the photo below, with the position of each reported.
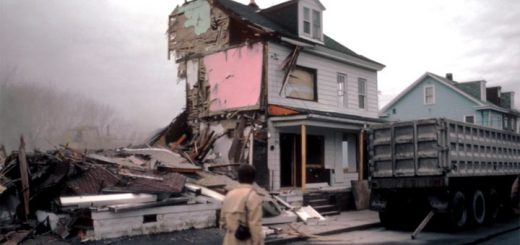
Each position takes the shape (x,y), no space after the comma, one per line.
(274,91)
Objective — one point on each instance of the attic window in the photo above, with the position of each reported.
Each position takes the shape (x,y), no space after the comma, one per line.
(311,24)
(316,25)
(306,21)
(429,95)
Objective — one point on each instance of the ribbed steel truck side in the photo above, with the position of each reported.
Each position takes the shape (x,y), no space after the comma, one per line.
(461,171)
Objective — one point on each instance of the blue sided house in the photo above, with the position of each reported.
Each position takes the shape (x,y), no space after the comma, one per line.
(436,96)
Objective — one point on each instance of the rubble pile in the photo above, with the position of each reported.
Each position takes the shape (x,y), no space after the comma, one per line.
(101,194)
(39,183)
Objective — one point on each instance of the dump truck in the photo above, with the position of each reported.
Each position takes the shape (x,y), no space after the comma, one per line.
(463,172)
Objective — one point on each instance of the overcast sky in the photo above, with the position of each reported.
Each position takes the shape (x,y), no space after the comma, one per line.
(114,51)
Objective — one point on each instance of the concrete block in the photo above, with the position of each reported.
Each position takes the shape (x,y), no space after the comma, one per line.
(153,220)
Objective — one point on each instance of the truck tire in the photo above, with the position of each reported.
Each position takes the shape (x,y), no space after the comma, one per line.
(477,207)
(458,211)
(515,195)
(492,206)
(387,219)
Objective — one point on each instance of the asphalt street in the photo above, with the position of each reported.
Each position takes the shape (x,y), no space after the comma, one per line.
(505,232)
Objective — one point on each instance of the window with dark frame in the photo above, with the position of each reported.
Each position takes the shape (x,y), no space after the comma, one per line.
(469,119)
(342,89)
(306,20)
(429,95)
(316,25)
(362,93)
(312,23)
(302,84)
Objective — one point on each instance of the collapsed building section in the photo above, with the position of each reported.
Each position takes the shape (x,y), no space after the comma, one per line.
(275,91)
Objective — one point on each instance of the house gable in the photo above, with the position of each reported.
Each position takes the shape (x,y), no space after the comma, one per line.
(448,102)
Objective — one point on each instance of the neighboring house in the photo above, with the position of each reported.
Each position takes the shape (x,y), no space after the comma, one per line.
(436,96)
(284,96)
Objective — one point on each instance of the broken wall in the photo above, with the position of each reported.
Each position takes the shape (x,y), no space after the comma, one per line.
(224,81)
(197,27)
(235,78)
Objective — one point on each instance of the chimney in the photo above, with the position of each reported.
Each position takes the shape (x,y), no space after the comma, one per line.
(449,76)
(253,5)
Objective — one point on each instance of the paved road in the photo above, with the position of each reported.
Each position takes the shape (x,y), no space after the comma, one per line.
(507,232)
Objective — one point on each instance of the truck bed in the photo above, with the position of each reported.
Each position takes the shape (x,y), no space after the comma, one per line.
(441,148)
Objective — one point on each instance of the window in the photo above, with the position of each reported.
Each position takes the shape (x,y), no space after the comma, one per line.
(306,20)
(342,90)
(362,93)
(312,23)
(316,25)
(429,95)
(469,119)
(302,84)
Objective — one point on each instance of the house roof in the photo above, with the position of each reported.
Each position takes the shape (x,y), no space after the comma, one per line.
(252,16)
(454,86)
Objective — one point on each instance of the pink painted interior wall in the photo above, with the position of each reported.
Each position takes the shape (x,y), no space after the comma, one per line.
(235,77)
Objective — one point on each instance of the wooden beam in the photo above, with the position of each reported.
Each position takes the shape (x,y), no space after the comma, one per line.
(24,175)
(361,156)
(304,155)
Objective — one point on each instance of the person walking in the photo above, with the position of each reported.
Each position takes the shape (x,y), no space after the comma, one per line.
(241,213)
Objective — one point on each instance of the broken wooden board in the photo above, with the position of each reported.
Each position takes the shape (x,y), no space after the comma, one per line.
(180,167)
(24,175)
(309,215)
(3,156)
(92,181)
(123,162)
(160,154)
(163,183)
(361,194)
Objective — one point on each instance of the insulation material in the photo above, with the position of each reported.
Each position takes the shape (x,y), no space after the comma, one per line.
(235,77)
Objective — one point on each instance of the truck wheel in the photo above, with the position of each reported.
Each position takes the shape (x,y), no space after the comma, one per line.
(387,219)
(477,207)
(492,206)
(458,211)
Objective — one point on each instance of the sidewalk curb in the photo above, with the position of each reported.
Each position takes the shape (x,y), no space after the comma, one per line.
(331,232)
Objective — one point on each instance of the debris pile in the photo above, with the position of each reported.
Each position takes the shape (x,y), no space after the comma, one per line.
(100,194)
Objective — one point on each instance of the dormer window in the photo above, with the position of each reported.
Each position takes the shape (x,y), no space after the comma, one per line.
(311,20)
(316,25)
(307,21)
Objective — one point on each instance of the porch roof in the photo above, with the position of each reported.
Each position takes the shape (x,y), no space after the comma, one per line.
(324,121)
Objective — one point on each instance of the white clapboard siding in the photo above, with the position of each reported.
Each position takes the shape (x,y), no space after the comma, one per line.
(327,83)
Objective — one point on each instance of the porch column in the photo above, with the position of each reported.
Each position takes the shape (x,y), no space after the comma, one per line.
(361,156)
(304,155)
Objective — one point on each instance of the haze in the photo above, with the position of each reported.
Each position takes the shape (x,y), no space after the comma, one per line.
(114,52)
